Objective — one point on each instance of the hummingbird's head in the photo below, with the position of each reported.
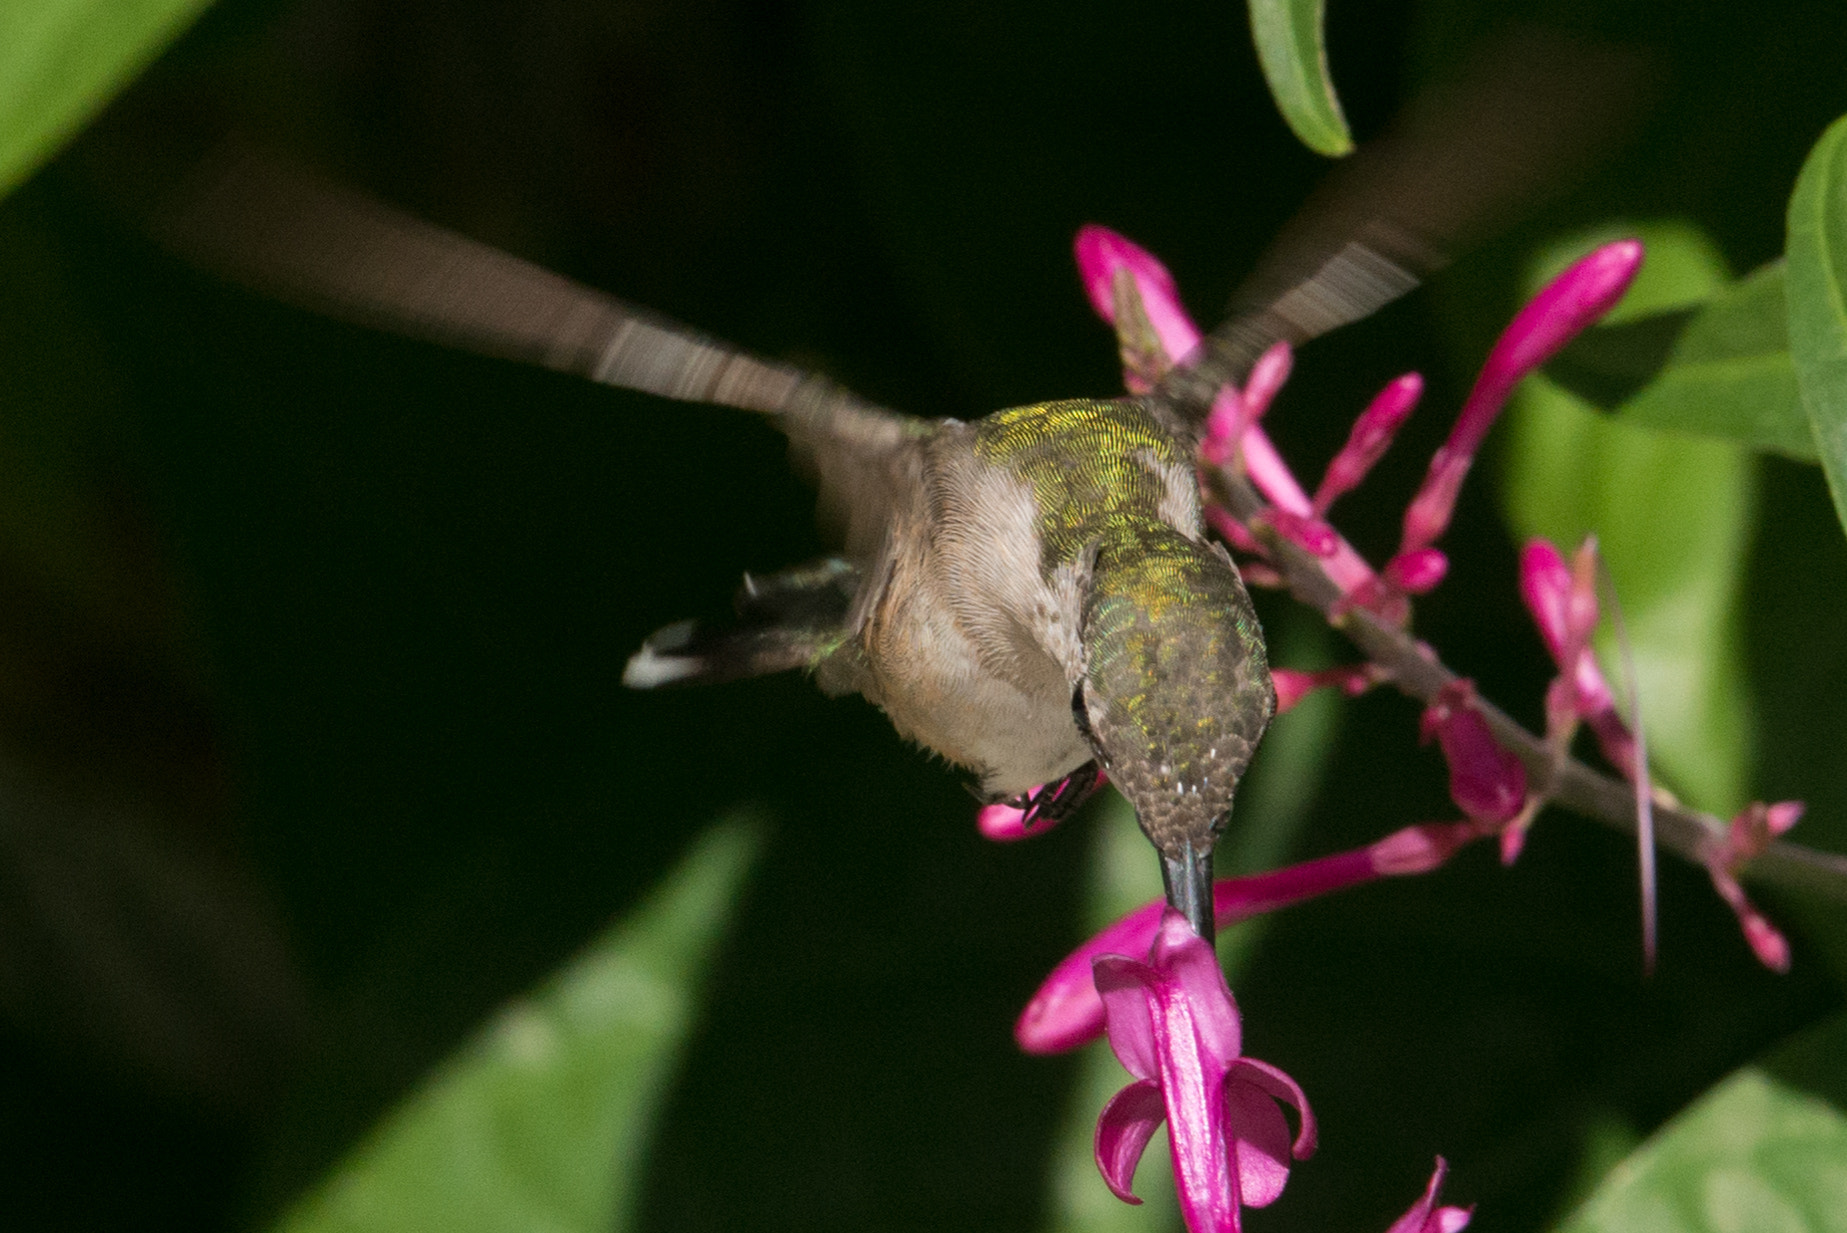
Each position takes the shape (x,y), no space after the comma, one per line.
(1176,690)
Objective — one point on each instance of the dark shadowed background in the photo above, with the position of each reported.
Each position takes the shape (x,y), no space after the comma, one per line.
(311,638)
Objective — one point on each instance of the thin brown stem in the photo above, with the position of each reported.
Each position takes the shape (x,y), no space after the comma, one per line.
(1416,671)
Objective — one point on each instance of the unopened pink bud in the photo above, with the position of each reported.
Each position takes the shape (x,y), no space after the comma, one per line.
(1427,517)
(1485,780)
(1562,309)
(1783,815)
(1225,424)
(1419,849)
(1293,685)
(1371,437)
(1545,585)
(1267,377)
(1100,253)
(1765,940)
(1417,571)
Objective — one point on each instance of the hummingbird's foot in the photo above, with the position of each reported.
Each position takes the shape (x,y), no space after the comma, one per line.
(1188,881)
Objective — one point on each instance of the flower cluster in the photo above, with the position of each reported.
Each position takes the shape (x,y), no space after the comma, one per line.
(1170,1018)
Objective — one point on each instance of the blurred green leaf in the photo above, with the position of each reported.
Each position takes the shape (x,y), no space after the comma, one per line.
(1295,64)
(1817,255)
(1765,1151)
(542,1121)
(1673,517)
(1722,370)
(61,60)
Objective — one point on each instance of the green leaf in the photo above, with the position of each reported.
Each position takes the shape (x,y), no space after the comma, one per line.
(541,1122)
(1722,370)
(61,60)
(1673,518)
(1295,63)
(1764,1151)
(1817,255)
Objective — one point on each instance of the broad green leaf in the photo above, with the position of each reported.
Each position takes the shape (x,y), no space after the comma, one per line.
(1817,255)
(1673,517)
(1295,64)
(542,1121)
(1729,374)
(1763,1152)
(61,60)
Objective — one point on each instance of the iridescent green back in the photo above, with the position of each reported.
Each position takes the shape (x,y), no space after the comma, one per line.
(1088,463)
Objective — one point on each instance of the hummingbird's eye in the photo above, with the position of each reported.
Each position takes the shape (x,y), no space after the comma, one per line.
(1080,715)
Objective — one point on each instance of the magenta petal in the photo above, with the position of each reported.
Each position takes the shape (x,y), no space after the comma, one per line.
(1281,1088)
(1100,253)
(1487,781)
(1183,956)
(1419,849)
(1225,423)
(1123,984)
(1124,1127)
(1426,1217)
(1066,1011)
(1259,1143)
(1192,1091)
(1002,823)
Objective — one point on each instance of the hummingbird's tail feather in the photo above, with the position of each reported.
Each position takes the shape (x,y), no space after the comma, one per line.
(792,619)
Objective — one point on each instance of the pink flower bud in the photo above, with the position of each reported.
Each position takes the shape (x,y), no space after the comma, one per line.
(1100,253)
(1485,780)
(1371,436)
(1268,375)
(1587,290)
(1417,571)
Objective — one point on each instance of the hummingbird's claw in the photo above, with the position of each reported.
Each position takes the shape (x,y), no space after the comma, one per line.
(1188,881)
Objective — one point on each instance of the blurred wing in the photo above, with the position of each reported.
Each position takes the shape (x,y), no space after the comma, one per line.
(1529,114)
(286,232)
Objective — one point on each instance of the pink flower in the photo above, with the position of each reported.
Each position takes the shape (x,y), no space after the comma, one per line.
(1564,307)
(1485,780)
(1563,602)
(1039,809)
(1426,1217)
(1292,684)
(1066,1011)
(1748,835)
(1174,1026)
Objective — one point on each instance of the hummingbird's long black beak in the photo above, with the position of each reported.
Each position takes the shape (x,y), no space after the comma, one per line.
(1188,881)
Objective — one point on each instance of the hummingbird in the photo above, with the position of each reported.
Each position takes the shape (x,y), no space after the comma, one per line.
(1033,595)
